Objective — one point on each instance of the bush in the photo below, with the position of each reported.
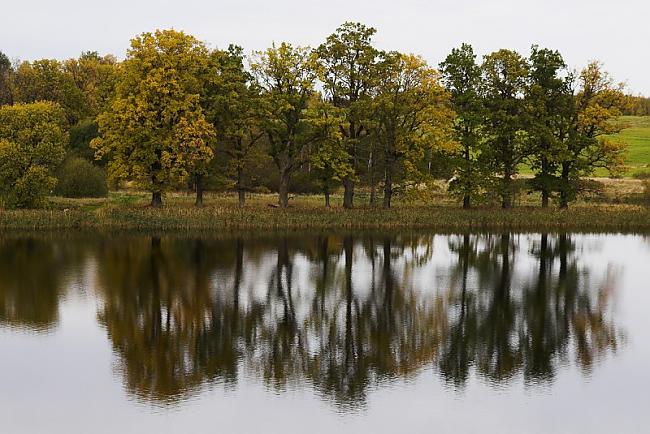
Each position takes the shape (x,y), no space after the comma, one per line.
(79,178)
(304,183)
(31,189)
(32,145)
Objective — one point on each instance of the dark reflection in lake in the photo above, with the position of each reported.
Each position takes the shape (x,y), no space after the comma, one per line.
(339,317)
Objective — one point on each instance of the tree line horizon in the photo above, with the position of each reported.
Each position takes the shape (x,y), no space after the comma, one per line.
(176,114)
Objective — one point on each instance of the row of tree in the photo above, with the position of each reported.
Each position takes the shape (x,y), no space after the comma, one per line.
(175,111)
(511,110)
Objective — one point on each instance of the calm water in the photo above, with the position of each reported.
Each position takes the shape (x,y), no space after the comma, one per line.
(501,333)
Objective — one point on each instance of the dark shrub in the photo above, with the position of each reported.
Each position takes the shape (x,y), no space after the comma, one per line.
(304,183)
(80,178)
(80,137)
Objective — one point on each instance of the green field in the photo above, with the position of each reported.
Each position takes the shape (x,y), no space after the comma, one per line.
(637,136)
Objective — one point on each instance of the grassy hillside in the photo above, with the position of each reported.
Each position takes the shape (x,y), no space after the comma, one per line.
(637,136)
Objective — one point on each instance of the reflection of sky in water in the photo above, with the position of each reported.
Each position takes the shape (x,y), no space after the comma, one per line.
(69,379)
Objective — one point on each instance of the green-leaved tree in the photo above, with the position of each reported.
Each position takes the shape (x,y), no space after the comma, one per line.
(550,106)
(6,74)
(505,75)
(348,60)
(598,102)
(232,103)
(461,76)
(286,76)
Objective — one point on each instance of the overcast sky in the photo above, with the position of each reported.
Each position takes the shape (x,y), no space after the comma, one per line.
(616,32)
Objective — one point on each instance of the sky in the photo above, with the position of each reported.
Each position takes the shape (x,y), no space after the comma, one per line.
(615,32)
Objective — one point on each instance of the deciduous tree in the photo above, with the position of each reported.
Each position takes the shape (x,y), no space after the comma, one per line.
(287,76)
(348,60)
(462,78)
(550,106)
(330,159)
(504,82)
(155,131)
(6,72)
(47,80)
(598,101)
(96,77)
(233,104)
(412,115)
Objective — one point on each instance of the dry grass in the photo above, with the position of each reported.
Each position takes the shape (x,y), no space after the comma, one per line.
(617,208)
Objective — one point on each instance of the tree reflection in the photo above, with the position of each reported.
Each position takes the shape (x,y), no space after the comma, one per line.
(34,272)
(502,330)
(162,316)
(346,314)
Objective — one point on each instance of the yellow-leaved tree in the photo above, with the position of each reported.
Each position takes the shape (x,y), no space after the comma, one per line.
(155,131)
(412,116)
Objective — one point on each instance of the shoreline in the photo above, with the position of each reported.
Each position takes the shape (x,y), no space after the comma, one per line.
(224,216)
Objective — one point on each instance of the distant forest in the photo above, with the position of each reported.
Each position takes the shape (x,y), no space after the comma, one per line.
(637,106)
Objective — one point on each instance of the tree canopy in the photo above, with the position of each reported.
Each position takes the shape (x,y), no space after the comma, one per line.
(155,131)
(176,114)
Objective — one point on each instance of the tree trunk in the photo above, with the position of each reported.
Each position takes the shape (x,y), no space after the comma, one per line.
(388,185)
(239,267)
(373,182)
(467,203)
(545,176)
(348,248)
(348,194)
(199,191)
(564,189)
(326,192)
(545,197)
(156,199)
(283,192)
(240,188)
(506,194)
(563,247)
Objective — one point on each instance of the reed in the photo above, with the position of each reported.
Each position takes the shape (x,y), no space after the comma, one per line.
(129,212)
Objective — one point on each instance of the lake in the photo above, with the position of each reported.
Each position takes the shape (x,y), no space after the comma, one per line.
(325,333)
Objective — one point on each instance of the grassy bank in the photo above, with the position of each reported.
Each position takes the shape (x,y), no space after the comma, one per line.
(121,211)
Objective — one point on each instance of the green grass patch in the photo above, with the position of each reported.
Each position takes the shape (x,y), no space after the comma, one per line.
(637,136)
(636,133)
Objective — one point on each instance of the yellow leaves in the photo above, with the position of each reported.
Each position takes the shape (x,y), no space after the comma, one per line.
(155,129)
(194,138)
(412,107)
(612,155)
(32,145)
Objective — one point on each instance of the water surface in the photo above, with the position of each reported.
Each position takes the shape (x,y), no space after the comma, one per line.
(381,333)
